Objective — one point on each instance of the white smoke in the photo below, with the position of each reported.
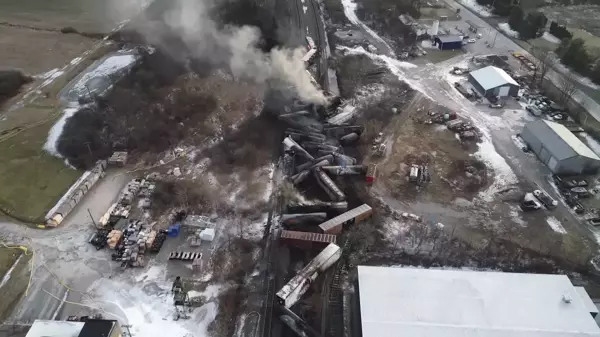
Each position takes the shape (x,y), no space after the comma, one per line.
(237,48)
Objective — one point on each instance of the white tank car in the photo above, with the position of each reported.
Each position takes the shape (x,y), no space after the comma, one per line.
(291,292)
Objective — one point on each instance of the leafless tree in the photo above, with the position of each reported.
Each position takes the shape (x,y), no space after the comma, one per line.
(567,87)
(544,61)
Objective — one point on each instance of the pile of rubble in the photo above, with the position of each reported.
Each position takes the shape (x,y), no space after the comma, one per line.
(314,150)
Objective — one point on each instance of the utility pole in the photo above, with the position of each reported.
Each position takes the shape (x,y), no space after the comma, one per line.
(494,42)
(92,218)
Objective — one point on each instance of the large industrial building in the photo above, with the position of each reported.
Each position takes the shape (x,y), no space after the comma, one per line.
(559,148)
(446,303)
(493,81)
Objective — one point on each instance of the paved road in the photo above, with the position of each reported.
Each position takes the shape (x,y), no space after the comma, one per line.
(503,44)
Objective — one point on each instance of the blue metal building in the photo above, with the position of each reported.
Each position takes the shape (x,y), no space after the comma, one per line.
(448,42)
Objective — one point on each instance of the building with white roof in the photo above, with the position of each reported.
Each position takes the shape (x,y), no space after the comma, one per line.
(446,303)
(493,81)
(559,148)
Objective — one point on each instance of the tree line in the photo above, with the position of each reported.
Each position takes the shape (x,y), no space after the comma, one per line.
(571,51)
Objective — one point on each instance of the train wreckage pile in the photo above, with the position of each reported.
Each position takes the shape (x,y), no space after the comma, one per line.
(314,151)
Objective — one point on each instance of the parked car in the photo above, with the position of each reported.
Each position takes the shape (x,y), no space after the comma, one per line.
(471,40)
(594,222)
(581,192)
(545,199)
(530,203)
(497,105)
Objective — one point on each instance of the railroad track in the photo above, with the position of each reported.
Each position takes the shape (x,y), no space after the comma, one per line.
(319,40)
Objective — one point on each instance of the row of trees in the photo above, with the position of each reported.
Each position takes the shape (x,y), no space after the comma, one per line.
(528,27)
(560,31)
(499,7)
(574,54)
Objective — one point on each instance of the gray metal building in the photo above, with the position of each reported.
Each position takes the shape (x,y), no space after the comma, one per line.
(559,148)
(493,81)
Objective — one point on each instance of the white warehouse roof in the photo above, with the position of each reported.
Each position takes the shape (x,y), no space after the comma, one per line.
(491,77)
(448,303)
(46,328)
(575,143)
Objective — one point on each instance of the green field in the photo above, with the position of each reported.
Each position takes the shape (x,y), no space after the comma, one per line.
(32,180)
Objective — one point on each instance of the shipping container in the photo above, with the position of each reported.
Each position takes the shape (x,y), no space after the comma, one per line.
(356,215)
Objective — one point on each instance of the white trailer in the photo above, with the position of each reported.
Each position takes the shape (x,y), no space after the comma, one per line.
(297,286)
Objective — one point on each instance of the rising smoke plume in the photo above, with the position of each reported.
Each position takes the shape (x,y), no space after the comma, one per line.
(237,48)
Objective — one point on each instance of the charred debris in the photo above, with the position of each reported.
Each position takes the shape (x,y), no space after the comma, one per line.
(317,163)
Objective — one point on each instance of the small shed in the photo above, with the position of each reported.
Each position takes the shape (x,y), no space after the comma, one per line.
(448,42)
(559,148)
(493,81)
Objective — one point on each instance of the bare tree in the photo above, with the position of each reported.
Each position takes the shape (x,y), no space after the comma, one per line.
(567,87)
(544,61)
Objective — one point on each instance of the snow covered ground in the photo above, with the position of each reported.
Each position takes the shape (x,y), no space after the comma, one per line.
(146,303)
(54,134)
(550,38)
(474,6)
(555,224)
(506,29)
(350,13)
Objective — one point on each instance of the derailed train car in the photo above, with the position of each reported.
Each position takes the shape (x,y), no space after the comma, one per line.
(291,292)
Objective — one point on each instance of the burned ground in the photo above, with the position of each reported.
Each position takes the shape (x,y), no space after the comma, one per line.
(155,108)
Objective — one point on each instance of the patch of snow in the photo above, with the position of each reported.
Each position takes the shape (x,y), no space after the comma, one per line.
(211,291)
(591,142)
(256,229)
(505,27)
(581,79)
(270,184)
(475,7)
(76,60)
(396,228)
(428,44)
(304,8)
(54,134)
(51,76)
(48,74)
(350,13)
(395,66)
(503,173)
(154,273)
(555,225)
(550,38)
(6,276)
(148,307)
(516,215)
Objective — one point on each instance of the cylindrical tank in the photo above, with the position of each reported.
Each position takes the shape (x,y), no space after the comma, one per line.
(435,27)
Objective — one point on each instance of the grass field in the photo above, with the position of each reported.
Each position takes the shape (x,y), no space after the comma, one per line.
(32,180)
(14,286)
(87,15)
